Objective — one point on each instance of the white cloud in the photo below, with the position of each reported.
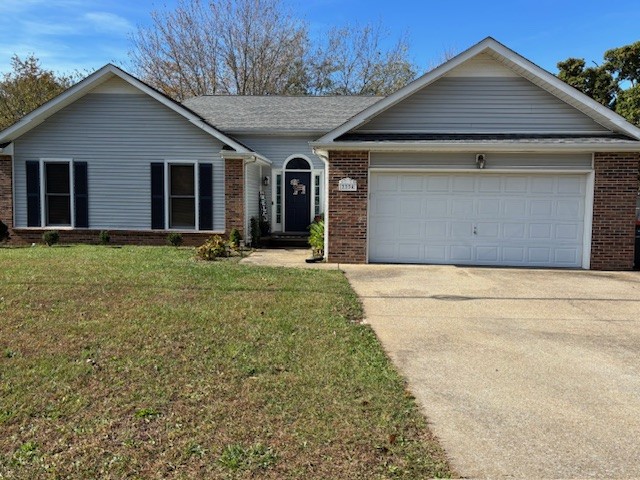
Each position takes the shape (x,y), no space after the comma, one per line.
(108,22)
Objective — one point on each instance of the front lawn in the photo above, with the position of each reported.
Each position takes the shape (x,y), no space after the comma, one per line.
(144,363)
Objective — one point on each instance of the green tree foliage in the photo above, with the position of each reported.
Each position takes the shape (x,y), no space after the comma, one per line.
(27,87)
(614,83)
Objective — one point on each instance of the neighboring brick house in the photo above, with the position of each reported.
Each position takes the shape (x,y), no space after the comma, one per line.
(485,160)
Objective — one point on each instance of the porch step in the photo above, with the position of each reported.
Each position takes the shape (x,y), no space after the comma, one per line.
(285,240)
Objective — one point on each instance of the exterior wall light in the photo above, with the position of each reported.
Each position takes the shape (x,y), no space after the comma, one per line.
(481,159)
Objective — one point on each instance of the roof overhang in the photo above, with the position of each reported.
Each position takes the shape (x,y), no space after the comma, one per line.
(474,147)
(83,87)
(246,156)
(511,59)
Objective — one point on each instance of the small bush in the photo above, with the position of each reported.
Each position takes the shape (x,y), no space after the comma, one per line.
(316,237)
(51,237)
(174,239)
(235,238)
(4,232)
(104,237)
(214,247)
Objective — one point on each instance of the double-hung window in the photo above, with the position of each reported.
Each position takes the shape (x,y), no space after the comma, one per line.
(57,191)
(182,196)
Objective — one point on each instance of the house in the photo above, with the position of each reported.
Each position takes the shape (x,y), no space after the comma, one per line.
(485,160)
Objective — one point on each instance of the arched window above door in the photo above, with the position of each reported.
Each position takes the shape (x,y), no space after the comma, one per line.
(298,163)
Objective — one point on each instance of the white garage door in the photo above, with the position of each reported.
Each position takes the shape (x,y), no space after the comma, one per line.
(477,219)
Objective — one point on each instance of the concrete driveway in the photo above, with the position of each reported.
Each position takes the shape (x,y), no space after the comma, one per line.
(521,373)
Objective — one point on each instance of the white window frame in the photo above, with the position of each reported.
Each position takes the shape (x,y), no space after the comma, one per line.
(43,193)
(314,172)
(167,193)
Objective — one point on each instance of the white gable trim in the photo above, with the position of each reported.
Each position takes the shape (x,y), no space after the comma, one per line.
(97,78)
(546,80)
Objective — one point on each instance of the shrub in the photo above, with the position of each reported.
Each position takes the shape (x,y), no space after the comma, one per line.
(316,237)
(265,228)
(213,248)
(4,232)
(104,237)
(255,232)
(174,239)
(235,238)
(51,237)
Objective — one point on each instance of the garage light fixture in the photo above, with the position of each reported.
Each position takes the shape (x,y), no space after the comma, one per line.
(481,158)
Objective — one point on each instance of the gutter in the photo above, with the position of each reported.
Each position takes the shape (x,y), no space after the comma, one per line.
(475,147)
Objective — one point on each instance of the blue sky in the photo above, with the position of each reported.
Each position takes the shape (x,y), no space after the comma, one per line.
(85,34)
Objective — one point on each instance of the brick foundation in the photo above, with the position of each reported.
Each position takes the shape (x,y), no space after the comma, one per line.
(22,236)
(6,191)
(348,210)
(615,192)
(234,195)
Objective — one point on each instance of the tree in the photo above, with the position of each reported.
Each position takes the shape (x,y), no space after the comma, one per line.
(615,83)
(243,47)
(27,87)
(354,62)
(258,47)
(597,82)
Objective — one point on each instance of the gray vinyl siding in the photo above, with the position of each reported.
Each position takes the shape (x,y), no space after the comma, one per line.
(581,161)
(279,148)
(482,104)
(119,136)
(253,190)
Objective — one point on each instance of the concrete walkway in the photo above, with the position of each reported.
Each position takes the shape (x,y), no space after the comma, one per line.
(285,257)
(521,373)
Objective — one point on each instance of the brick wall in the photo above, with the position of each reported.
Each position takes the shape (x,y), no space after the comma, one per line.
(616,188)
(234,195)
(6,191)
(348,210)
(118,237)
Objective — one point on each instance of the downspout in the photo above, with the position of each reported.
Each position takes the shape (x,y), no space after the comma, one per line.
(324,156)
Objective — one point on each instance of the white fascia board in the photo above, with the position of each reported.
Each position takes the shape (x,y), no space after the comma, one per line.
(474,147)
(83,87)
(496,48)
(276,133)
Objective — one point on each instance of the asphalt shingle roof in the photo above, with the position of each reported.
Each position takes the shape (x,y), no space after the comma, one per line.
(232,113)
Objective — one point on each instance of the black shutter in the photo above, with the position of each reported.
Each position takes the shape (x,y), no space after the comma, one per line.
(33,194)
(81,194)
(157,196)
(206,196)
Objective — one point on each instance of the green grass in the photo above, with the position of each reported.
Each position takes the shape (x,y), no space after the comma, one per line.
(144,363)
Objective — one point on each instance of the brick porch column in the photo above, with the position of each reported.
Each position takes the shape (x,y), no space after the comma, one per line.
(614,204)
(6,191)
(348,210)
(234,195)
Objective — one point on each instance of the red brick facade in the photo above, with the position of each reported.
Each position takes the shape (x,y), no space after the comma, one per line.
(615,193)
(234,195)
(6,191)
(348,210)
(118,237)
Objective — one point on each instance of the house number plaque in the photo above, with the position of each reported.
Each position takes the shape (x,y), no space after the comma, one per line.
(347,185)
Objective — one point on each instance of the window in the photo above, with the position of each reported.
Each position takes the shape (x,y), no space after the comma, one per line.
(316,194)
(57,193)
(278,198)
(182,196)
(298,164)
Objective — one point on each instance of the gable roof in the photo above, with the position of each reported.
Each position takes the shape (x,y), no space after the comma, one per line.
(83,87)
(514,62)
(281,114)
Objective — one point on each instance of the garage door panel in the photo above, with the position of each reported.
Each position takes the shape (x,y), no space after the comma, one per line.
(486,219)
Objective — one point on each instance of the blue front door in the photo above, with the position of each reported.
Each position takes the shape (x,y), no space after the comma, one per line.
(297,201)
